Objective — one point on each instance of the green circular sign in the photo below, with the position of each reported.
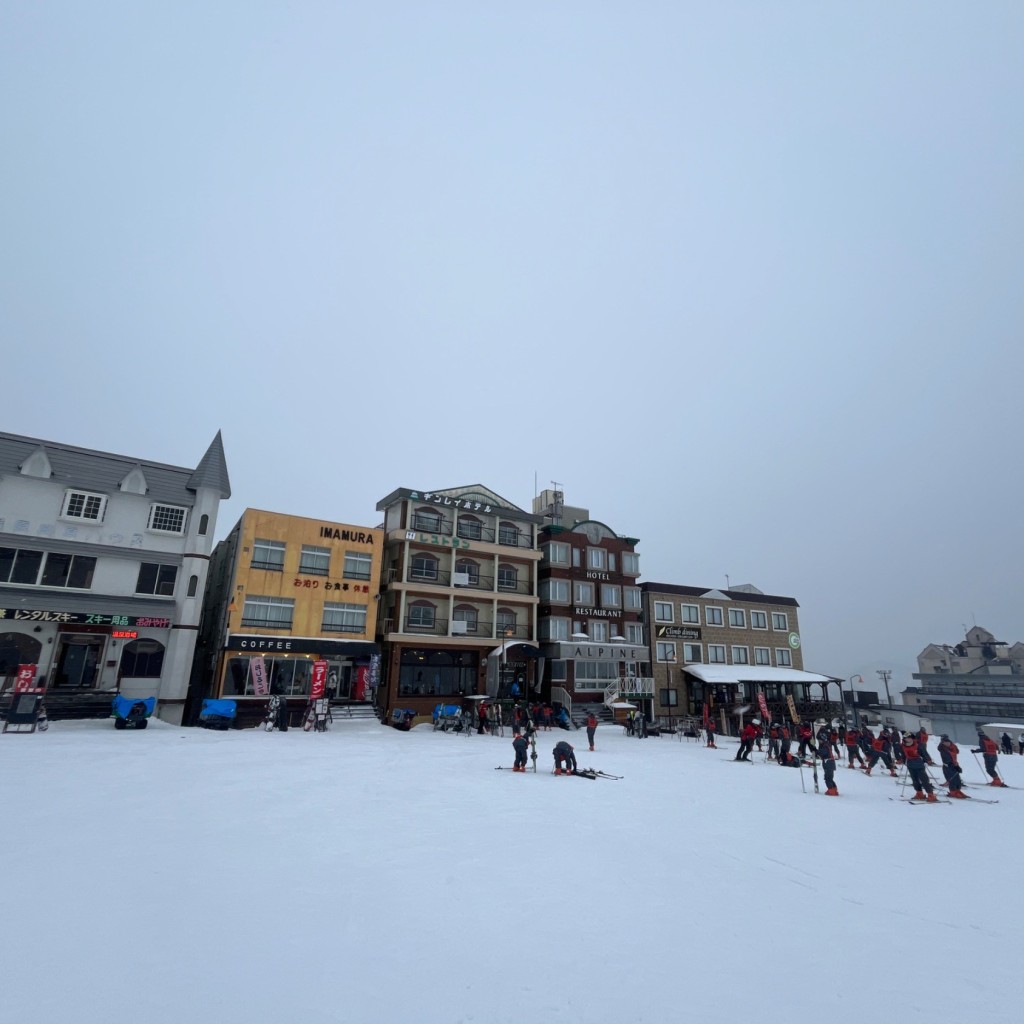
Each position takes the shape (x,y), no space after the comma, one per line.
(794,640)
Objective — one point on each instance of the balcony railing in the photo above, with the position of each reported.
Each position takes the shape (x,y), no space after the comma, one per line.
(432,577)
(435,627)
(431,524)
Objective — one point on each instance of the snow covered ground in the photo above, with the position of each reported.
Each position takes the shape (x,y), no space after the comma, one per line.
(369,875)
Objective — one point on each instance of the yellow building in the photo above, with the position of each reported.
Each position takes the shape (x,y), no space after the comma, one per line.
(292,591)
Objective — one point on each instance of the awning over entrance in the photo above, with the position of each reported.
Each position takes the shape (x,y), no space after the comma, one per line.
(525,649)
(724,675)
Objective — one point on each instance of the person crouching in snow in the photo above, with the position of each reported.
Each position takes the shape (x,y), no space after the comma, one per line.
(565,759)
(917,769)
(520,744)
(828,763)
(990,752)
(878,752)
(949,752)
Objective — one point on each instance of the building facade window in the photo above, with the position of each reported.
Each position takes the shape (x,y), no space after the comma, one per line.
(716,654)
(597,558)
(357,565)
(762,656)
(508,577)
(758,620)
(635,633)
(554,629)
(630,563)
(507,623)
(468,616)
(268,554)
(663,611)
(693,653)
(166,519)
(556,553)
(508,533)
(783,658)
(71,571)
(665,651)
(84,505)
(713,615)
(599,632)
(142,659)
(689,613)
(780,620)
(555,590)
(268,612)
(583,593)
(423,567)
(634,598)
(193,585)
(740,656)
(469,569)
(611,596)
(204,524)
(340,617)
(156,579)
(669,698)
(36,568)
(470,528)
(737,618)
(427,520)
(422,615)
(314,561)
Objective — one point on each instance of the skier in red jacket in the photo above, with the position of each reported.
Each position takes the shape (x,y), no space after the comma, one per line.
(949,752)
(917,770)
(990,752)
(747,738)
(853,747)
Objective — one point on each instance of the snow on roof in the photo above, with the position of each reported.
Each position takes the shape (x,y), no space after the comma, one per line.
(754,674)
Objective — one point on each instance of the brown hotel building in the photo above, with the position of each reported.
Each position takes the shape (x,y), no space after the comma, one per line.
(589,621)
(724,647)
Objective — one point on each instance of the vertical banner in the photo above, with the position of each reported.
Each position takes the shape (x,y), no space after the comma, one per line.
(258,674)
(763,705)
(792,708)
(319,682)
(359,686)
(707,716)
(25,680)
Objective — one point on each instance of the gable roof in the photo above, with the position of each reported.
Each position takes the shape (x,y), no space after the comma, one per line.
(103,472)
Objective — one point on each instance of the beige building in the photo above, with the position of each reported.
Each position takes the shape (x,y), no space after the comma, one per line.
(722,648)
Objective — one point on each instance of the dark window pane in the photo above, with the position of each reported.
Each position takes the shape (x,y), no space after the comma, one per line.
(147,578)
(6,563)
(55,572)
(165,580)
(81,572)
(26,567)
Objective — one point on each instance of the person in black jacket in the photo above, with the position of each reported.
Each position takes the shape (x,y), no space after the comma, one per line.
(565,759)
(520,744)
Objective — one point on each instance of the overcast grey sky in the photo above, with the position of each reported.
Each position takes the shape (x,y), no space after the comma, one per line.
(744,277)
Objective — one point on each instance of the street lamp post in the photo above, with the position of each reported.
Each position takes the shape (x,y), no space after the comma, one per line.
(883,674)
(856,715)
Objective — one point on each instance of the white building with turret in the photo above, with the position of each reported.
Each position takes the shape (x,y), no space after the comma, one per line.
(103,562)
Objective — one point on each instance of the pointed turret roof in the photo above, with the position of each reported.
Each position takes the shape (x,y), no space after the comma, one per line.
(212,470)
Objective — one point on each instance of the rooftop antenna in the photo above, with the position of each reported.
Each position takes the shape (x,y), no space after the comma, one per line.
(555,508)
(726,581)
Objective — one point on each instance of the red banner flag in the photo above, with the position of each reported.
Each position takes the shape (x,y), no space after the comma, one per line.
(707,717)
(316,687)
(763,705)
(25,679)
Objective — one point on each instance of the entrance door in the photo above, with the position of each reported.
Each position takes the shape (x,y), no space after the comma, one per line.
(78,661)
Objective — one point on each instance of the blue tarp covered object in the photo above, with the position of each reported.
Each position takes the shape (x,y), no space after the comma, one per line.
(223,708)
(121,706)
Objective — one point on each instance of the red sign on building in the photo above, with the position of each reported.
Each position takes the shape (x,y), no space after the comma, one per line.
(25,680)
(319,682)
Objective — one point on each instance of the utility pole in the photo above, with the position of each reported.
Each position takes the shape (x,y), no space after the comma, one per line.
(883,674)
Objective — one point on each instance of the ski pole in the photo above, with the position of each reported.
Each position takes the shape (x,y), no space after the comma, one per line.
(800,762)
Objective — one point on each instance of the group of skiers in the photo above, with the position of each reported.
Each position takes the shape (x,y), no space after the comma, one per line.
(563,751)
(865,748)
